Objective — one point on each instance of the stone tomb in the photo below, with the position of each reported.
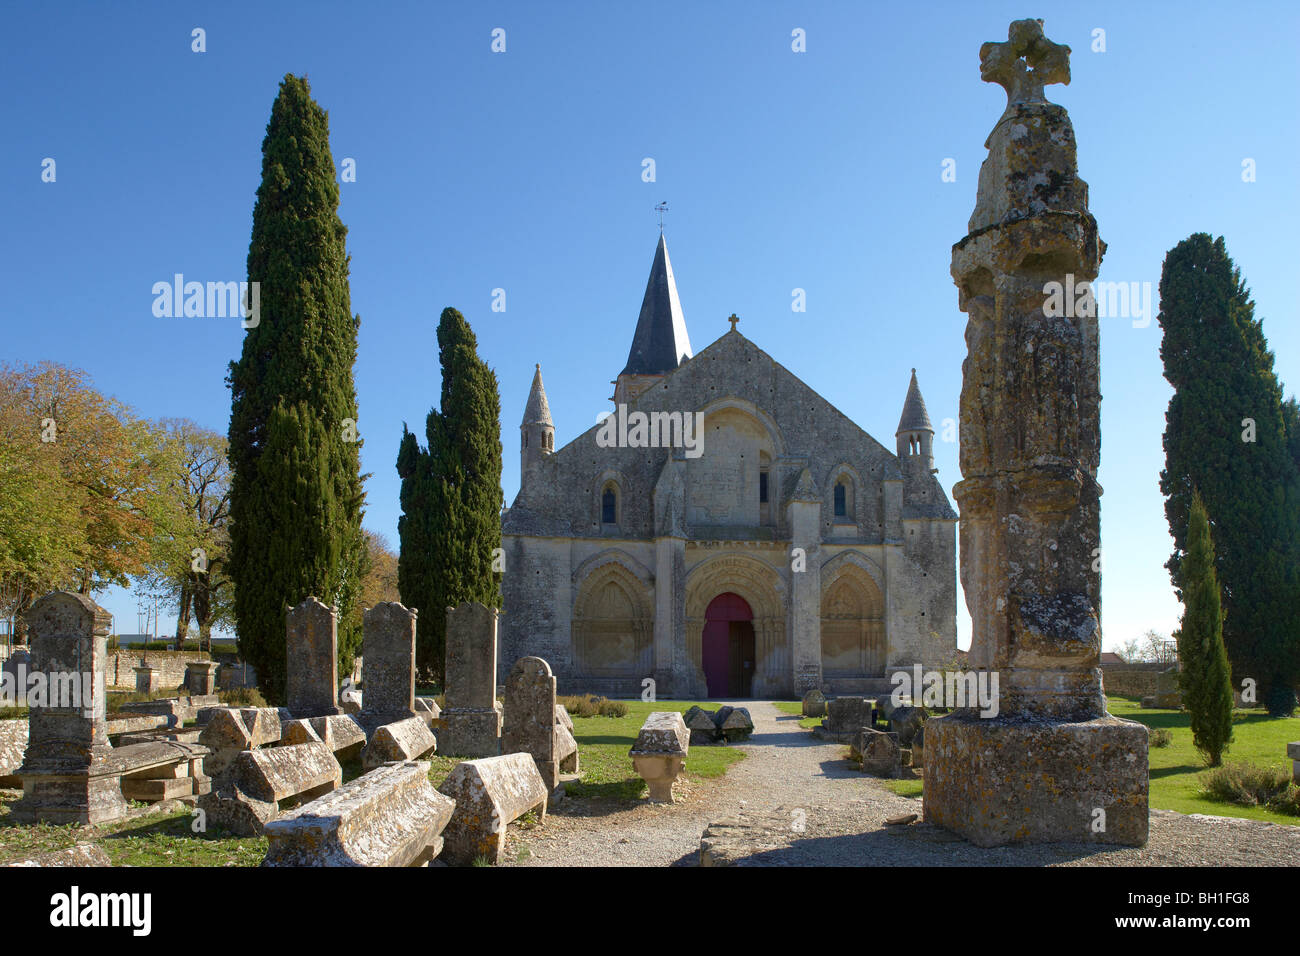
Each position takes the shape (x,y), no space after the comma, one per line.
(162,770)
(1052,764)
(1293,751)
(879,753)
(341,733)
(388,668)
(490,793)
(67,775)
(391,816)
(402,740)
(311,676)
(659,753)
(814,703)
(229,732)
(471,721)
(201,677)
(260,780)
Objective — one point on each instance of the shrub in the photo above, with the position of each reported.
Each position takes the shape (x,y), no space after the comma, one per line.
(242,697)
(1246,784)
(1160,737)
(589,705)
(613,708)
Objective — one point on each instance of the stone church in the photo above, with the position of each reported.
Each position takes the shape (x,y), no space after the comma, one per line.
(776,548)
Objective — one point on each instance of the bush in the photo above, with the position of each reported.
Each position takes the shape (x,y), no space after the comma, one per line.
(242,697)
(1160,737)
(588,705)
(1248,785)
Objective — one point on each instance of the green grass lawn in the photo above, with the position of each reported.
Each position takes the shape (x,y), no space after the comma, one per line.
(1176,769)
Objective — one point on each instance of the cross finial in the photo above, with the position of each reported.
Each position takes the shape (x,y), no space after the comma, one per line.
(661,209)
(733,319)
(1025,63)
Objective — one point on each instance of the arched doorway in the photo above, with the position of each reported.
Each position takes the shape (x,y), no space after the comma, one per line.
(728,647)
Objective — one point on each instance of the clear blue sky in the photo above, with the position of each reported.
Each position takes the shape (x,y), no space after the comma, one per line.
(522,171)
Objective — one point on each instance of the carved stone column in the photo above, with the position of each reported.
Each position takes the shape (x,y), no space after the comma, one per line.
(1052,764)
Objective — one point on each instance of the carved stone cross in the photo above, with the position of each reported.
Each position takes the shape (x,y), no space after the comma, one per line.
(733,319)
(1026,63)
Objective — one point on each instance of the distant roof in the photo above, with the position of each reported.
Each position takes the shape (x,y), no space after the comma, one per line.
(538,410)
(1110,657)
(660,342)
(915,417)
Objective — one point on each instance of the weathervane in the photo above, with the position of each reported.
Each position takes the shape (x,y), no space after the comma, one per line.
(661,209)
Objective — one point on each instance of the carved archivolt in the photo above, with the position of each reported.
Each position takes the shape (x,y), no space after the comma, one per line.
(765,592)
(613,622)
(853,621)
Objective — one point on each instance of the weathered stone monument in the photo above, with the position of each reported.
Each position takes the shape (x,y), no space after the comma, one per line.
(311,662)
(388,674)
(471,721)
(490,794)
(68,775)
(1053,765)
(201,677)
(529,724)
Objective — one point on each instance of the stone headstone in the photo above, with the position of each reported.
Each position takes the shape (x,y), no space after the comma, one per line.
(147,679)
(736,724)
(845,716)
(388,646)
(529,725)
(1293,751)
(471,721)
(1029,453)
(879,752)
(66,774)
(906,721)
(311,659)
(490,793)
(390,816)
(341,733)
(1168,693)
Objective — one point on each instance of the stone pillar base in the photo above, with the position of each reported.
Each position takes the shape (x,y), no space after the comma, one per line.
(659,771)
(201,677)
(1020,780)
(470,733)
(85,798)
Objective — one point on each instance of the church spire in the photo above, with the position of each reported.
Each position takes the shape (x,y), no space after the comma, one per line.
(660,342)
(538,410)
(915,435)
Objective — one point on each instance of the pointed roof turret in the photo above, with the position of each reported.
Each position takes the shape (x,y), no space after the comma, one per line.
(915,417)
(537,411)
(660,342)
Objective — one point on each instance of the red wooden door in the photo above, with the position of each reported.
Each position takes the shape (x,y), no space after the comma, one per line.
(716,650)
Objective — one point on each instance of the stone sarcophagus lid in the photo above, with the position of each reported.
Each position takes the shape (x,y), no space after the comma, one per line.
(659,752)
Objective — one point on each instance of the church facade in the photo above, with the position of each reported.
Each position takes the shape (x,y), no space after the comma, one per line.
(727,533)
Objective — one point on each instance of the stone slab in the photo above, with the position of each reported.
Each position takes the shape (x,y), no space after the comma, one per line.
(471,733)
(402,740)
(664,732)
(341,733)
(311,661)
(490,793)
(391,816)
(273,774)
(83,854)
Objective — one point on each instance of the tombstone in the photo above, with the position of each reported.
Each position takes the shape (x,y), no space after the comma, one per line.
(471,721)
(341,733)
(845,716)
(1169,694)
(659,753)
(1293,751)
(701,724)
(201,677)
(879,752)
(391,816)
(490,793)
(388,645)
(530,725)
(1029,453)
(311,671)
(66,773)
(734,723)
(402,740)
(147,678)
(906,722)
(230,731)
(814,703)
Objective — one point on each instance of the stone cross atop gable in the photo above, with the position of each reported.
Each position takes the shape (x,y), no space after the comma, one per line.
(1025,63)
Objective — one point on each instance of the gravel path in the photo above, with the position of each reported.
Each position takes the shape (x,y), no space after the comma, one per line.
(789,775)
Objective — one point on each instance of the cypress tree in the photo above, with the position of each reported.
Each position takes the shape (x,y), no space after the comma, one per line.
(451,495)
(1225,435)
(296,493)
(1205,678)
